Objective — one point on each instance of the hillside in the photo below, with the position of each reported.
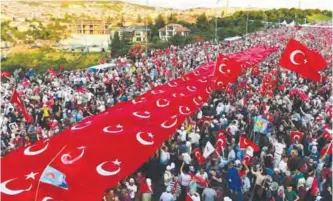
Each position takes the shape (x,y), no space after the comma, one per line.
(111,10)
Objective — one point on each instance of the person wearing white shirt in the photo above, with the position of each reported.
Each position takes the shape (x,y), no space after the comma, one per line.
(182,134)
(283,166)
(165,155)
(167,196)
(132,188)
(279,147)
(194,137)
(195,196)
(167,176)
(233,128)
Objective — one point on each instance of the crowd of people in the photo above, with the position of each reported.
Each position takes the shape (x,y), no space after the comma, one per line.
(283,169)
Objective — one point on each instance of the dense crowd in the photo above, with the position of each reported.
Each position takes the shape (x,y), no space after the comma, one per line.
(283,169)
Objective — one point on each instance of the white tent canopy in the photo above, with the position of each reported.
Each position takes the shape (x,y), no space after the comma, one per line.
(232,38)
(101,66)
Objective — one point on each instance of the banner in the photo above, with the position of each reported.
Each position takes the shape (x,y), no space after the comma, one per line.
(253,56)
(103,149)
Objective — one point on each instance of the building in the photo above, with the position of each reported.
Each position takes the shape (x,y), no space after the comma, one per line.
(132,34)
(90,27)
(171,30)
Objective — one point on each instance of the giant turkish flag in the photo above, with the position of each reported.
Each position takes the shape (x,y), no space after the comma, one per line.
(84,160)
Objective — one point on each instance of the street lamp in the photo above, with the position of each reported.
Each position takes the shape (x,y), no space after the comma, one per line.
(247,20)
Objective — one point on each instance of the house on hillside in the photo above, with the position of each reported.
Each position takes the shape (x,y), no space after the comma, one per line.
(132,33)
(170,30)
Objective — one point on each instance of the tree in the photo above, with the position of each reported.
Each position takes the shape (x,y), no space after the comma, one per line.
(159,22)
(138,19)
(202,21)
(115,44)
(150,21)
(122,21)
(172,18)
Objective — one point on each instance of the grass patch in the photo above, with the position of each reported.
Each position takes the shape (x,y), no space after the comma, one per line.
(42,59)
(318,18)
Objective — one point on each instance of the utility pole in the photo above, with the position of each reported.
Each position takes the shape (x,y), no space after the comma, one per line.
(247,23)
(147,31)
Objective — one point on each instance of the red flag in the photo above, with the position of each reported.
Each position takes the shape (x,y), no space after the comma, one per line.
(198,155)
(17,100)
(255,71)
(244,143)
(227,70)
(132,130)
(5,74)
(188,198)
(221,142)
(200,180)
(298,58)
(102,61)
(52,71)
(328,134)
(296,136)
(207,57)
(326,150)
(81,90)
(62,67)
(314,187)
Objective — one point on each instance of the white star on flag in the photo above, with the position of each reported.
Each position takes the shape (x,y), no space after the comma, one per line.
(31,175)
(116,162)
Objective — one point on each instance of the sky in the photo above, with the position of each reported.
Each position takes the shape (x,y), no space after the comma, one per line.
(185,4)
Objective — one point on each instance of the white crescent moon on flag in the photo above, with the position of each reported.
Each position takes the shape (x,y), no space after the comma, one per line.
(196,73)
(293,54)
(162,105)
(142,141)
(208,90)
(188,111)
(220,140)
(196,154)
(28,152)
(47,198)
(141,100)
(79,127)
(66,161)
(195,101)
(245,142)
(172,85)
(220,68)
(118,130)
(144,115)
(4,189)
(165,125)
(155,92)
(203,80)
(191,88)
(104,172)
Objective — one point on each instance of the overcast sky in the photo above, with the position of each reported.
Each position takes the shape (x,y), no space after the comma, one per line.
(184,4)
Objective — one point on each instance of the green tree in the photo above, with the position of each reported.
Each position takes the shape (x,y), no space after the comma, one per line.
(202,21)
(115,44)
(159,22)
(172,18)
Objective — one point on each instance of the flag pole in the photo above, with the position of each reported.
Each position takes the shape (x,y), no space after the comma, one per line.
(36,195)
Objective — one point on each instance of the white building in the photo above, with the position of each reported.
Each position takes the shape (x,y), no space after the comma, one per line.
(171,30)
